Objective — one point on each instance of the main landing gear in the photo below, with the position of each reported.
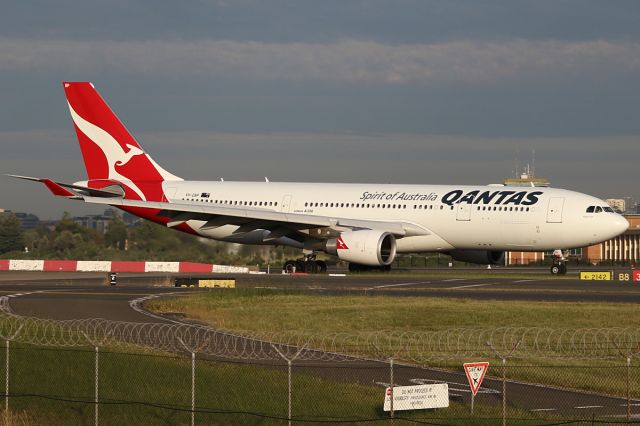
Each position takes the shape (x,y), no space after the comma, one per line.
(307,264)
(559,265)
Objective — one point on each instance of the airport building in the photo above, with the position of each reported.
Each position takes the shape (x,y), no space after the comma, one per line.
(27,220)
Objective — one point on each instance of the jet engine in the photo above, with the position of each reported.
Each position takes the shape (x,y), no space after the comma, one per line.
(366,247)
(480,257)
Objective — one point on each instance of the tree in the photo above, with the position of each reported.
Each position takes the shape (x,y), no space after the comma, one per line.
(116,235)
(11,234)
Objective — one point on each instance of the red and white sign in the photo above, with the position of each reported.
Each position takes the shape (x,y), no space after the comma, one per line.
(475,372)
(636,274)
(115,266)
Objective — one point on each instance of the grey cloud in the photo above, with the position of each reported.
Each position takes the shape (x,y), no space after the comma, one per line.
(347,61)
(396,21)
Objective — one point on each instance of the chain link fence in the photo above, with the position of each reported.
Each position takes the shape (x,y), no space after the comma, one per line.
(107,372)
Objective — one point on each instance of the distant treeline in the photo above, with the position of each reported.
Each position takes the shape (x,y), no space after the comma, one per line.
(142,241)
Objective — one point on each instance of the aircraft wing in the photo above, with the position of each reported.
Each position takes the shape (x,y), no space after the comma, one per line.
(248,218)
(279,223)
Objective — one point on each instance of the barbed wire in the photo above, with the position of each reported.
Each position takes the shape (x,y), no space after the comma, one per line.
(417,347)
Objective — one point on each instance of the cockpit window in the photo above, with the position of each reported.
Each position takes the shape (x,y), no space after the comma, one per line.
(598,209)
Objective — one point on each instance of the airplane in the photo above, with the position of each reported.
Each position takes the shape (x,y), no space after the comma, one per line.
(366,225)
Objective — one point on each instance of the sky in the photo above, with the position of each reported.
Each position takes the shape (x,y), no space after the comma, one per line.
(397,91)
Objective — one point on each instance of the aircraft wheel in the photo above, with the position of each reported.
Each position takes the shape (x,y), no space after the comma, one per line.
(310,267)
(322,266)
(289,266)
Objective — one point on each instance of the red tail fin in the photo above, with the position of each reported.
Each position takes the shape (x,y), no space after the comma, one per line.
(110,152)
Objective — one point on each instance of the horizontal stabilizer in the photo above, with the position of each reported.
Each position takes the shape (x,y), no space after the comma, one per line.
(68,190)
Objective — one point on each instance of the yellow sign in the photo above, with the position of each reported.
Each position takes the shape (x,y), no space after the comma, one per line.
(596,275)
(217,283)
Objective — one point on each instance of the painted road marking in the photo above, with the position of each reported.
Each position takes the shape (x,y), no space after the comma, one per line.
(454,279)
(589,406)
(471,285)
(523,281)
(81,293)
(544,409)
(398,285)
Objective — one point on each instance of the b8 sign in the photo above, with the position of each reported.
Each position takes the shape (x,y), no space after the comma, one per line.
(636,274)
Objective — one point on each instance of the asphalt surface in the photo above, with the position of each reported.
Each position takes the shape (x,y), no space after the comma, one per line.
(86,295)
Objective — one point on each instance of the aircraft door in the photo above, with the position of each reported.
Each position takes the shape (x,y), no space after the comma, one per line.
(286,203)
(554,211)
(463,212)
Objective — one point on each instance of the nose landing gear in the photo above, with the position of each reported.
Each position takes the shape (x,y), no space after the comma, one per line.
(559,265)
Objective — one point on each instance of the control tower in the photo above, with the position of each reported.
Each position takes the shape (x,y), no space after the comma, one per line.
(526,178)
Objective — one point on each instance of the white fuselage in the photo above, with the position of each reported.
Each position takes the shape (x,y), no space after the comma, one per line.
(456,217)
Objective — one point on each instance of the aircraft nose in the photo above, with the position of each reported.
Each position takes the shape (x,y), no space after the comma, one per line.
(618,225)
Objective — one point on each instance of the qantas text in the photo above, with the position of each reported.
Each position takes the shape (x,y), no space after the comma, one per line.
(518,198)
(458,196)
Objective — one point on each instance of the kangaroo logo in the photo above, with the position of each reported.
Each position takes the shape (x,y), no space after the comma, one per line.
(112,150)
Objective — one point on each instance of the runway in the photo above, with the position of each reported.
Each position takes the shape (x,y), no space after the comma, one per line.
(79,296)
(86,295)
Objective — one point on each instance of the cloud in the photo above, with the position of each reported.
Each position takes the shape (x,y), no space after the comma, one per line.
(348,61)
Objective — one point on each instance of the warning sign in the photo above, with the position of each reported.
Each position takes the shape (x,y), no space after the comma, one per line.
(475,372)
(417,397)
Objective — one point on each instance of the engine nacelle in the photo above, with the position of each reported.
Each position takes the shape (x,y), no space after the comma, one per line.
(366,247)
(480,257)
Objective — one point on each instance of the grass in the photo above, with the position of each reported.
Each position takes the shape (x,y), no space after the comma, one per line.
(56,386)
(343,320)
(263,311)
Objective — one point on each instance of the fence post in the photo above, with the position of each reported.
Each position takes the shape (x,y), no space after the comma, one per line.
(504,376)
(97,385)
(6,382)
(6,376)
(504,391)
(192,349)
(392,413)
(96,343)
(628,389)
(193,388)
(628,355)
(289,364)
